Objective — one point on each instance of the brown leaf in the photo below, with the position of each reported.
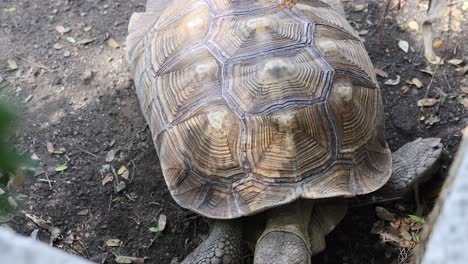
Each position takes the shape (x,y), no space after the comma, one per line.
(381,73)
(437,44)
(416,226)
(108,178)
(417,82)
(427,102)
(405,234)
(389,237)
(113,43)
(50,147)
(405,89)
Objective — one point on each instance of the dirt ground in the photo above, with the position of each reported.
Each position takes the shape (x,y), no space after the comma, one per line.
(74,91)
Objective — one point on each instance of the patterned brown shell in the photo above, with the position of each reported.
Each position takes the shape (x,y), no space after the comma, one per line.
(251,106)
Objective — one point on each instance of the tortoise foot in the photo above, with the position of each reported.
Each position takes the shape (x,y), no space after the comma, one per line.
(281,247)
(223,246)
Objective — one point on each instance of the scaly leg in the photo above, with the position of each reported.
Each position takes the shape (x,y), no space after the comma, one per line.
(413,164)
(223,245)
(286,238)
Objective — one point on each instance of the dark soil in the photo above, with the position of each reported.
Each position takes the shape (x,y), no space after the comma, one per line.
(83,101)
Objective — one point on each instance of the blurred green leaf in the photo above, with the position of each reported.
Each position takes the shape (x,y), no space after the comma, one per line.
(417,219)
(61,168)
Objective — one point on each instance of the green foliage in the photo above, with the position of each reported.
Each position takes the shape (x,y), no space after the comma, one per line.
(11,163)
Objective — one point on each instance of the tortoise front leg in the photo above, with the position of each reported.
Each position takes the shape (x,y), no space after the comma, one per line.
(413,164)
(223,245)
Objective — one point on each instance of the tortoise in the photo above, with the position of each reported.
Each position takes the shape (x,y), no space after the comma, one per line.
(266,116)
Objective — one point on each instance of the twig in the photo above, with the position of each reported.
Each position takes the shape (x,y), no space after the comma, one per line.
(38,65)
(429,86)
(84,247)
(89,153)
(376,201)
(110,202)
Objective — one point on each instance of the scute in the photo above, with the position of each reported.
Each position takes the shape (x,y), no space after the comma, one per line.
(290,143)
(241,6)
(188,82)
(272,81)
(172,40)
(252,107)
(240,36)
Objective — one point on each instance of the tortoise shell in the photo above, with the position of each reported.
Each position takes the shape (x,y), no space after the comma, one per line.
(252,106)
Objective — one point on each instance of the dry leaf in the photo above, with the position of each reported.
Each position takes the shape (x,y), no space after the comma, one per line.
(455,61)
(123,172)
(61,168)
(363,32)
(393,82)
(72,40)
(162,222)
(389,237)
(378,227)
(405,234)
(417,82)
(359,7)
(85,41)
(83,212)
(406,244)
(129,260)
(428,71)
(114,243)
(381,73)
(427,102)
(113,43)
(35,157)
(463,70)
(62,30)
(464,102)
(50,147)
(384,214)
(404,45)
(434,60)
(110,155)
(405,89)
(12,65)
(57,46)
(437,44)
(413,25)
(108,178)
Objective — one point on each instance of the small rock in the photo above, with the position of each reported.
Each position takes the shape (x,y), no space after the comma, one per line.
(66,54)
(88,76)
(57,46)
